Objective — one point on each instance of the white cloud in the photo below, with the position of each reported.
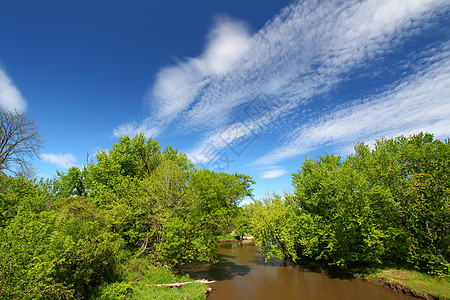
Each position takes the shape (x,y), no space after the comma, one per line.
(10,97)
(66,160)
(304,51)
(418,103)
(274,173)
(132,129)
(177,86)
(305,46)
(228,42)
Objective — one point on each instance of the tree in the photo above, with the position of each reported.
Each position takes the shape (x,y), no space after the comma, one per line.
(242,221)
(101,226)
(415,173)
(344,208)
(275,224)
(61,251)
(71,184)
(19,141)
(385,205)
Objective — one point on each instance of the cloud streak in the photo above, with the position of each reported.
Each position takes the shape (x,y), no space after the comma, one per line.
(418,103)
(66,160)
(307,50)
(10,97)
(274,173)
(176,87)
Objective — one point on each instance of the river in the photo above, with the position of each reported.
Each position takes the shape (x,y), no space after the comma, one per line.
(242,273)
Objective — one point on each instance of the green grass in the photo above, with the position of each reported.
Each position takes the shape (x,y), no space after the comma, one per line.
(140,280)
(415,281)
(144,289)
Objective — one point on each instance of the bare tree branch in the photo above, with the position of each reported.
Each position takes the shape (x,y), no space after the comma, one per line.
(20,141)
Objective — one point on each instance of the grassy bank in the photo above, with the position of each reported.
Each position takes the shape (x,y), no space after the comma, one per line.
(411,282)
(141,284)
(227,237)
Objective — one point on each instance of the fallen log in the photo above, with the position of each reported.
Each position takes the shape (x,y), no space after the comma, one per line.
(178,284)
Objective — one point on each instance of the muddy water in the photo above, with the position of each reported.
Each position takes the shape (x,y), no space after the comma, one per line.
(242,273)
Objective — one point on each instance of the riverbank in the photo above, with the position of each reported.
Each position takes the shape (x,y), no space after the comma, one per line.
(229,238)
(154,283)
(411,283)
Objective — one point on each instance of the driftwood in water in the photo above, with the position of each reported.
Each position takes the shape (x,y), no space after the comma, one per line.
(178,284)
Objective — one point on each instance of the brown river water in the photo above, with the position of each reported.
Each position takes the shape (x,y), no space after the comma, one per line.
(242,273)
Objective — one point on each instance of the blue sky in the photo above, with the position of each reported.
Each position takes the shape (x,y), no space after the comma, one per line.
(240,86)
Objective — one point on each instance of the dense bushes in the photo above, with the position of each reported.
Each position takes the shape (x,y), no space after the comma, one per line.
(389,204)
(74,236)
(51,249)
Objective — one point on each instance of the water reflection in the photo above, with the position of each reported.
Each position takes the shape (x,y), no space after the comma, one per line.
(242,273)
(224,269)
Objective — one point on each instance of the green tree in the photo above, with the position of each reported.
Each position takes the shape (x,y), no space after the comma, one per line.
(414,172)
(71,184)
(273,225)
(242,222)
(55,249)
(339,200)
(134,205)
(389,204)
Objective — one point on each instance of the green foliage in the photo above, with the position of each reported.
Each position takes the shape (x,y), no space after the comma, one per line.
(140,284)
(136,157)
(120,290)
(71,184)
(337,197)
(242,222)
(191,209)
(77,235)
(59,252)
(273,226)
(385,205)
(415,171)
(20,194)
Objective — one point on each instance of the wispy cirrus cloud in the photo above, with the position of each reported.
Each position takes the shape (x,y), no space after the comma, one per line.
(147,127)
(10,96)
(420,102)
(273,172)
(305,51)
(176,87)
(62,160)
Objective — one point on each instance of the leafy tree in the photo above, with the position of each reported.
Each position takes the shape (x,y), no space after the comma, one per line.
(136,157)
(162,207)
(54,249)
(16,194)
(339,200)
(389,204)
(75,235)
(71,184)
(190,209)
(414,171)
(242,222)
(273,225)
